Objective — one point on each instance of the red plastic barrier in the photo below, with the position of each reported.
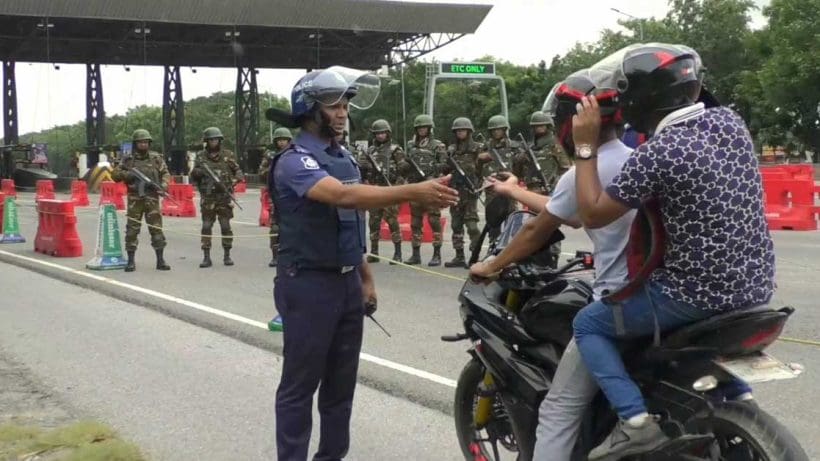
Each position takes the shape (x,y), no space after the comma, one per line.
(45,190)
(7,186)
(241,187)
(57,229)
(404,219)
(113,193)
(184,207)
(799,218)
(264,210)
(79,193)
(2,206)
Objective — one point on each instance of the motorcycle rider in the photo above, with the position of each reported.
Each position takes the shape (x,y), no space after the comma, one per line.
(700,164)
(573,388)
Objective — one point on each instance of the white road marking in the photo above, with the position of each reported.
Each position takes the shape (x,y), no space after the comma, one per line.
(230,316)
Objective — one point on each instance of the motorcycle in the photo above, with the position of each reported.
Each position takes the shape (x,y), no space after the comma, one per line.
(519,325)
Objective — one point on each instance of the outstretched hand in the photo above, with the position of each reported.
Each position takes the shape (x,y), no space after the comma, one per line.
(436,192)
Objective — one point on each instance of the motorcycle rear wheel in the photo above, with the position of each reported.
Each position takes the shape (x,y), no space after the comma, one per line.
(744,432)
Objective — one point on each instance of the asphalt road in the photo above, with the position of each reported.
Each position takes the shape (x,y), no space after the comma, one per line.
(417,307)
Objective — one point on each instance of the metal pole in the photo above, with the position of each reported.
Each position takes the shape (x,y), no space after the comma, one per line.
(403,106)
(270,123)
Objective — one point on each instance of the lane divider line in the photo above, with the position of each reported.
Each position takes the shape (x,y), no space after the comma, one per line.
(395,366)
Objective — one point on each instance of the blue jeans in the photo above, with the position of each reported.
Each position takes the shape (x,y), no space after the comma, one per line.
(596,338)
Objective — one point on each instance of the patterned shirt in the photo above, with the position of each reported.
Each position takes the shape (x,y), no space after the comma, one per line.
(702,166)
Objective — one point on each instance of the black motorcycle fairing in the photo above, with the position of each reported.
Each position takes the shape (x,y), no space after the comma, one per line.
(476,308)
(548,314)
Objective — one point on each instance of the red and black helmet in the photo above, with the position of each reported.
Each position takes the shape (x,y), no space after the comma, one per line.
(654,79)
(563,98)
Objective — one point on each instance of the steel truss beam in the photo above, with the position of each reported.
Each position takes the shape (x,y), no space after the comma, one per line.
(173,121)
(413,48)
(246,112)
(94,114)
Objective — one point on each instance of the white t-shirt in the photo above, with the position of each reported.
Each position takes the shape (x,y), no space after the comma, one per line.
(609,242)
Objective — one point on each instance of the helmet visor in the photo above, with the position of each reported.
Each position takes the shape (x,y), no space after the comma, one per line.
(334,83)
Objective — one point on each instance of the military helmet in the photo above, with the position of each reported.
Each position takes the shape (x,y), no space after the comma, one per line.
(380,126)
(141,135)
(462,123)
(282,133)
(498,121)
(211,133)
(423,120)
(539,118)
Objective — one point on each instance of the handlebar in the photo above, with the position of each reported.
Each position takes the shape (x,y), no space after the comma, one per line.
(529,273)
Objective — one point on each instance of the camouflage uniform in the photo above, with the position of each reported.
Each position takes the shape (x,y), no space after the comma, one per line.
(214,203)
(507,149)
(428,153)
(152,165)
(464,213)
(390,158)
(553,160)
(264,170)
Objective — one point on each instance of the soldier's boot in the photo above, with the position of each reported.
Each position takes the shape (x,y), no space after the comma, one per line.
(206,259)
(416,258)
(273,260)
(130,266)
(396,254)
(374,249)
(226,259)
(161,264)
(458,261)
(436,259)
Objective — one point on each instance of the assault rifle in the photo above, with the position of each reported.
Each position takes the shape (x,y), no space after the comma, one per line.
(145,181)
(377,167)
(534,161)
(218,183)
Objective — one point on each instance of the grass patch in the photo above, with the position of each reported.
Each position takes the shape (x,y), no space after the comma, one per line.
(82,441)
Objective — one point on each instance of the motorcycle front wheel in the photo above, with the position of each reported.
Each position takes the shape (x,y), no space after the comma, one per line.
(495,441)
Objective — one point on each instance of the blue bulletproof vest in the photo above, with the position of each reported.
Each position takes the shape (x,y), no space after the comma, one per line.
(315,235)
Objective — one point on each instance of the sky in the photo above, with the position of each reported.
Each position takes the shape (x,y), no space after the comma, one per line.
(520,31)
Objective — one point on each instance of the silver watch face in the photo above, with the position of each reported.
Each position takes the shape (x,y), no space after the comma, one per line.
(584,152)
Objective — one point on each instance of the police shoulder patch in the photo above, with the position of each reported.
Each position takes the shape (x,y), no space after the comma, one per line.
(310,163)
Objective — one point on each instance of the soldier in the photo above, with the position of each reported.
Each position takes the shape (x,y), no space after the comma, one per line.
(506,149)
(215,195)
(551,157)
(390,160)
(465,152)
(428,153)
(281,140)
(143,199)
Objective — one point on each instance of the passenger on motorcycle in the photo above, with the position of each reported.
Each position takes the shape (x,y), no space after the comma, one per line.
(573,387)
(700,163)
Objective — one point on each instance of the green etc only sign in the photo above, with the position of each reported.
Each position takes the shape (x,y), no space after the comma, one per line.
(468,68)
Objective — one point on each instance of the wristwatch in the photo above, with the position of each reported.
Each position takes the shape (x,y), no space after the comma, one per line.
(584,152)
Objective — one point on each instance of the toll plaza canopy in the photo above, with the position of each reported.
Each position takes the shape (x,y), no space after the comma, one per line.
(219,33)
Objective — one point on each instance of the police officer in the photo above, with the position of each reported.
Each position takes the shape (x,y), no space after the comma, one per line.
(215,192)
(551,157)
(323,281)
(428,153)
(281,139)
(389,158)
(465,152)
(143,199)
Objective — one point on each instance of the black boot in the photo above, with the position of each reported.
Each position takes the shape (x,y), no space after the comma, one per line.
(161,265)
(226,259)
(374,249)
(130,266)
(458,261)
(396,254)
(436,259)
(416,258)
(206,259)
(273,261)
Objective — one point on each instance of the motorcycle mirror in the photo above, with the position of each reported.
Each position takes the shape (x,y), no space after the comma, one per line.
(497,210)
